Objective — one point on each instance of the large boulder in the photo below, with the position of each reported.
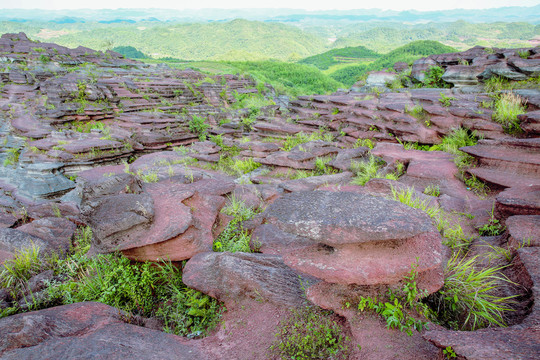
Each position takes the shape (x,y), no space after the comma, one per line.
(232,277)
(358,239)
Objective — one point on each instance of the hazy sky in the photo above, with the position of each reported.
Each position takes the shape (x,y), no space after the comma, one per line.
(295,4)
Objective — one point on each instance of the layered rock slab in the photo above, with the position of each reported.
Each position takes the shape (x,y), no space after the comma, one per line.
(358,238)
(86,331)
(231,277)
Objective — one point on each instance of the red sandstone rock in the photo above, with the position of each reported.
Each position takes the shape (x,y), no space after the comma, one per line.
(86,331)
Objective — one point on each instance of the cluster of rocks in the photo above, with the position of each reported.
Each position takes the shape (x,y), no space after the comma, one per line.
(317,237)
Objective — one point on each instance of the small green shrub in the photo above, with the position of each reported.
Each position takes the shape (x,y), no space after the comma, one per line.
(234,237)
(433,78)
(145,289)
(198,126)
(493,226)
(446,101)
(396,311)
(310,333)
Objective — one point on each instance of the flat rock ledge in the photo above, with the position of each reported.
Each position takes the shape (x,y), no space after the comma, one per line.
(350,238)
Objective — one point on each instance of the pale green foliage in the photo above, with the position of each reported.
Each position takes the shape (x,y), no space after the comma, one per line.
(235,238)
(367,170)
(468,299)
(507,107)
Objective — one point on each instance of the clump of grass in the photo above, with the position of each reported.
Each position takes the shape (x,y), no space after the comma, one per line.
(452,232)
(322,167)
(17,271)
(245,166)
(407,197)
(302,138)
(364,142)
(507,107)
(12,156)
(235,238)
(451,143)
(367,170)
(310,333)
(467,300)
(371,169)
(432,190)
(478,187)
(148,176)
(419,113)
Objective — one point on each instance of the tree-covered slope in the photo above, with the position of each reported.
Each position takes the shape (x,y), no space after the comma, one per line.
(407,53)
(199,41)
(335,56)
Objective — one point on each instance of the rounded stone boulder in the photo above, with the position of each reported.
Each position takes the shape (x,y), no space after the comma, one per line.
(358,238)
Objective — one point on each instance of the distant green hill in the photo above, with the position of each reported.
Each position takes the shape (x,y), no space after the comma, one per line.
(407,53)
(460,34)
(200,41)
(129,52)
(336,56)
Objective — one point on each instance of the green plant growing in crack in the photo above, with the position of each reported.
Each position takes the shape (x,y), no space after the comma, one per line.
(446,101)
(493,227)
(367,170)
(310,333)
(396,310)
(468,299)
(12,157)
(506,110)
(198,126)
(419,113)
(234,237)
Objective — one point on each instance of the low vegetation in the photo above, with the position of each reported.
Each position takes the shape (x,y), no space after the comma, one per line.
(140,289)
(234,237)
(372,169)
(507,107)
(468,299)
(310,333)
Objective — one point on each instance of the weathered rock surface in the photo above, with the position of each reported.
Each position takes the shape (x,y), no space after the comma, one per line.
(86,331)
(524,230)
(233,277)
(351,233)
(519,200)
(507,162)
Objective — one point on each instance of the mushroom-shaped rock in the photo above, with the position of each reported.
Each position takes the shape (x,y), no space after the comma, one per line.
(358,238)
